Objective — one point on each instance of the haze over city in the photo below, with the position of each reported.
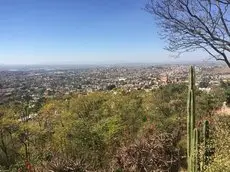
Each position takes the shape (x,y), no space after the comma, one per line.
(81,32)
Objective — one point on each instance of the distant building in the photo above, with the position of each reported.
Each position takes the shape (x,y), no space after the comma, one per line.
(164,79)
(121,79)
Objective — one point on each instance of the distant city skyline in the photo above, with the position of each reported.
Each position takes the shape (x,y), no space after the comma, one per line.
(81,32)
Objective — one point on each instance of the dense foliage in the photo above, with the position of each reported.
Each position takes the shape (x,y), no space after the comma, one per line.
(220,160)
(101,131)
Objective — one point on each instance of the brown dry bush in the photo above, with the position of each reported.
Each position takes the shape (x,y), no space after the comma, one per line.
(61,164)
(155,153)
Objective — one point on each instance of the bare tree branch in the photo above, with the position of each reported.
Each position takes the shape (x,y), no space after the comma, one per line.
(188,25)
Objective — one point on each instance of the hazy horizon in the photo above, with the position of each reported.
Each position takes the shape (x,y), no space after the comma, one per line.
(113,63)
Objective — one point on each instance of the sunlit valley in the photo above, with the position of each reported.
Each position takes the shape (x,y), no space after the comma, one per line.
(115,86)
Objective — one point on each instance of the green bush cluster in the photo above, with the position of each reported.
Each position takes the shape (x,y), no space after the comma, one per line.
(89,132)
(220,160)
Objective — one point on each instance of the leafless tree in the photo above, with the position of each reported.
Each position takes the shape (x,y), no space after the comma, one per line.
(189,25)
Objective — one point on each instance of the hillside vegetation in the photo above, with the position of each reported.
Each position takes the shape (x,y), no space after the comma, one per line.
(106,131)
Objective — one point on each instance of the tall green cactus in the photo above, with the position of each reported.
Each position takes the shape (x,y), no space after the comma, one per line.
(192,139)
(196,149)
(205,141)
(193,133)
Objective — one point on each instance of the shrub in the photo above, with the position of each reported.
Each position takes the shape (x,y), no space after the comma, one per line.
(154,153)
(220,161)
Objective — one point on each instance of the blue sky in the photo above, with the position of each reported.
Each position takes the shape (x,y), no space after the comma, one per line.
(79,31)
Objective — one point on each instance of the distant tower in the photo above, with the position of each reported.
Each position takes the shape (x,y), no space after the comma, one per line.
(1,89)
(167,78)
